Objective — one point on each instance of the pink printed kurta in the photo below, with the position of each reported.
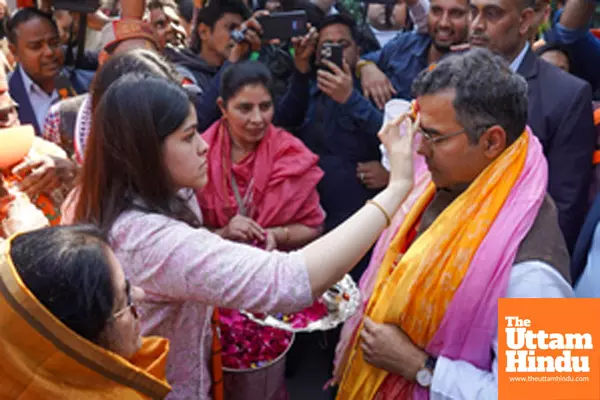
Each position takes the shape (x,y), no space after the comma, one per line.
(185,272)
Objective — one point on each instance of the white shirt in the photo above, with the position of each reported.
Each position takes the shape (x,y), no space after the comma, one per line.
(516,63)
(588,285)
(457,380)
(39,99)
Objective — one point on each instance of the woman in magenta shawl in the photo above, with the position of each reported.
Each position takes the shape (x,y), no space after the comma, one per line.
(262,186)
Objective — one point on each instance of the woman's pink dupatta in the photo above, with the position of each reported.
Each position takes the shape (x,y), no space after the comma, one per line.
(281,174)
(469,325)
(471,321)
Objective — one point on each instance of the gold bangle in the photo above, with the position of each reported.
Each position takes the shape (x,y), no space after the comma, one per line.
(388,219)
(286,232)
(359,66)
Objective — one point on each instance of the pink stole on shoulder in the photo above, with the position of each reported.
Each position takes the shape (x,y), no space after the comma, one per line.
(469,325)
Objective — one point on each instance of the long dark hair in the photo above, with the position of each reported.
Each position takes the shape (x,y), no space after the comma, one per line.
(123,165)
(237,76)
(67,269)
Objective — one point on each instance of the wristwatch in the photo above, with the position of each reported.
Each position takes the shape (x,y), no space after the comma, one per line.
(425,374)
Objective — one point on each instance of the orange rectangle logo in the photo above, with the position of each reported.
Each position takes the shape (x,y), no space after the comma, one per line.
(549,349)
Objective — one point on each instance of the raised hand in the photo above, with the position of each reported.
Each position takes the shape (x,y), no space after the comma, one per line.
(376,85)
(336,84)
(252,31)
(304,47)
(399,148)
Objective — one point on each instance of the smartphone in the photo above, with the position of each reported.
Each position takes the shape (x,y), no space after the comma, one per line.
(82,6)
(283,25)
(334,53)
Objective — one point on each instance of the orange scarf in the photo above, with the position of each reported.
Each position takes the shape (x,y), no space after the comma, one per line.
(43,359)
(216,359)
(413,290)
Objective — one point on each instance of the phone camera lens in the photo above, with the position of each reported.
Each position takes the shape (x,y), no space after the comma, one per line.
(237,36)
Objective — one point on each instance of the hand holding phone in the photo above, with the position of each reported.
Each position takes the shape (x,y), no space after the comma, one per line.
(335,82)
(304,48)
(82,6)
(283,25)
(332,52)
(247,37)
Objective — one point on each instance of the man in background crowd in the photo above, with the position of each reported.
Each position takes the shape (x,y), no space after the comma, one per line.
(390,72)
(572,31)
(341,127)
(560,105)
(212,34)
(36,82)
(166,21)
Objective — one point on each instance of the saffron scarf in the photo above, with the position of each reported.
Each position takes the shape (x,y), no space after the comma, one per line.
(422,179)
(466,253)
(217,389)
(277,181)
(43,359)
(216,362)
(48,203)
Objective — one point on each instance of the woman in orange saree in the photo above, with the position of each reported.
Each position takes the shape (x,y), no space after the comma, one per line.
(68,321)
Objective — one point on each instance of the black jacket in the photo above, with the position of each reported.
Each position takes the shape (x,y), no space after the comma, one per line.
(561,116)
(191,66)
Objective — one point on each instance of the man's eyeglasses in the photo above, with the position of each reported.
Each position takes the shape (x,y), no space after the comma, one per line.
(431,140)
(130,305)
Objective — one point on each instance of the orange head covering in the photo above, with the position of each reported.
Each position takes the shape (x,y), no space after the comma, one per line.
(43,358)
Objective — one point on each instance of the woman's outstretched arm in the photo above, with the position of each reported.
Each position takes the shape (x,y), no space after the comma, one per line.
(332,256)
